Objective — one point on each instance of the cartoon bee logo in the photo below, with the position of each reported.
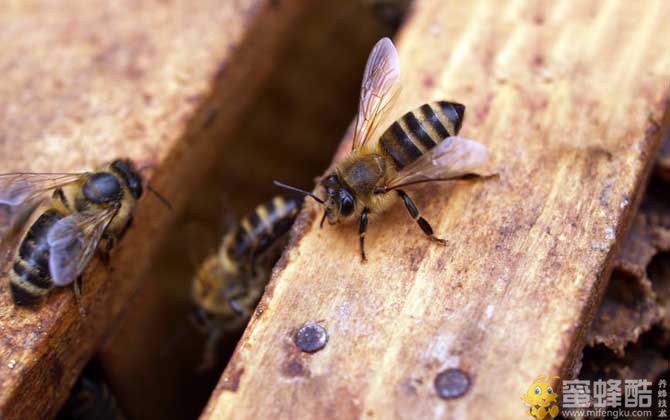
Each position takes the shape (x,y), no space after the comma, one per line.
(541,399)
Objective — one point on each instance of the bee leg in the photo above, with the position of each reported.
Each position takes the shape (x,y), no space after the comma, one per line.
(362,228)
(210,357)
(125,229)
(263,243)
(323,219)
(78,285)
(105,250)
(414,212)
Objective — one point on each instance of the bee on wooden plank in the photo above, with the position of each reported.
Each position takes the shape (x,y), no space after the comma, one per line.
(421,146)
(230,283)
(80,213)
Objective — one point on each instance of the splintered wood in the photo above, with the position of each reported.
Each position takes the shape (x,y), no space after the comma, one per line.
(160,83)
(562,95)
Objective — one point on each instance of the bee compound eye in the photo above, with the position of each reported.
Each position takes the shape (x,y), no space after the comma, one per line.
(347,205)
(550,391)
(538,391)
(236,307)
(102,187)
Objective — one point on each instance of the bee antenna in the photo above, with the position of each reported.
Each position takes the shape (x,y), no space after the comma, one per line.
(288,187)
(159,196)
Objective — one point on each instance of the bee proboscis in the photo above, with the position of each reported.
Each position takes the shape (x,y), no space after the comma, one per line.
(421,146)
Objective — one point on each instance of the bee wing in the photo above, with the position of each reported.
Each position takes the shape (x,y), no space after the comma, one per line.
(72,242)
(382,73)
(453,158)
(21,193)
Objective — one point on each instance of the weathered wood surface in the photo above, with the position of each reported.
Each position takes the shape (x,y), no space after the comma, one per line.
(561,93)
(159,378)
(161,83)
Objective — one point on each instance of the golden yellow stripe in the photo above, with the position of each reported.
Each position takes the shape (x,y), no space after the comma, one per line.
(263,216)
(280,204)
(27,285)
(246,225)
(411,136)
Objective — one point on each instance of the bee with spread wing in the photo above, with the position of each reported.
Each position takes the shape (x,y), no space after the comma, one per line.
(79,211)
(421,146)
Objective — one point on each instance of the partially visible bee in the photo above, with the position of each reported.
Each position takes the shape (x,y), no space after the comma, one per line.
(419,147)
(91,399)
(79,212)
(230,283)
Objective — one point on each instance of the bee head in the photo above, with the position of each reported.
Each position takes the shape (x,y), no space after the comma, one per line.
(339,203)
(214,290)
(125,169)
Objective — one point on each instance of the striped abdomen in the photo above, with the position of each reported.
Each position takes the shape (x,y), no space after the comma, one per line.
(420,130)
(267,223)
(30,279)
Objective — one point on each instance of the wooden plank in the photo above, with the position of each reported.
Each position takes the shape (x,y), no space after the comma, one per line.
(159,378)
(561,94)
(163,84)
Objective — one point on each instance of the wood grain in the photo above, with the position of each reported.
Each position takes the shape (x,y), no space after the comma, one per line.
(161,83)
(275,138)
(562,95)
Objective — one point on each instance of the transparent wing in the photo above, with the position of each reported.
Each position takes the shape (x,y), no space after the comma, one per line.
(21,193)
(11,219)
(452,158)
(72,242)
(8,246)
(382,73)
(16,188)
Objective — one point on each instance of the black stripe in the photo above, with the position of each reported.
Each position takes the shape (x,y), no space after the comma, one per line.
(34,249)
(255,221)
(399,146)
(415,127)
(434,121)
(40,261)
(39,229)
(241,244)
(26,249)
(270,208)
(41,280)
(23,297)
(454,112)
(405,142)
(35,255)
(281,226)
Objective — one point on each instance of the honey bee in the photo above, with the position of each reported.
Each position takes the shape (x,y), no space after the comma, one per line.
(81,213)
(421,146)
(230,283)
